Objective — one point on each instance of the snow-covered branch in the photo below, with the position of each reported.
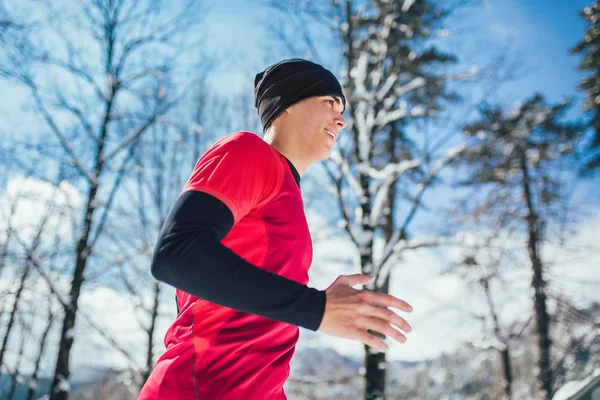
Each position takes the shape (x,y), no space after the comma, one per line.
(415,83)
(393,169)
(423,242)
(389,175)
(490,344)
(382,93)
(346,173)
(359,76)
(385,117)
(352,231)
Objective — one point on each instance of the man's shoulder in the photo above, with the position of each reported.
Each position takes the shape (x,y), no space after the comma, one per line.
(243,138)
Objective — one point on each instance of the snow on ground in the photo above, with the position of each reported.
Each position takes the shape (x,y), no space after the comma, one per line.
(573,387)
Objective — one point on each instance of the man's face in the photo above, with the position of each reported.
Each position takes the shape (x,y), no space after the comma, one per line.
(317,122)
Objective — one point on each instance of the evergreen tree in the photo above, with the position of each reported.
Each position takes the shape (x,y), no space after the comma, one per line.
(589,48)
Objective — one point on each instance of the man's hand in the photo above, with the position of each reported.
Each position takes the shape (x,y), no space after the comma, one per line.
(350,312)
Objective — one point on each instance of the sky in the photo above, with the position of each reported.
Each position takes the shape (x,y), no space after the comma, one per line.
(541,32)
(544,31)
(536,36)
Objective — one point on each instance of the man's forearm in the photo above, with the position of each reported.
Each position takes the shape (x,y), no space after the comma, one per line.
(194,260)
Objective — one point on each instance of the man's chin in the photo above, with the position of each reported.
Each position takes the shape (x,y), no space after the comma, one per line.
(322,156)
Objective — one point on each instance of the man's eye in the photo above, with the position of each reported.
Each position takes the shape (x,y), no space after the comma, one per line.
(330,102)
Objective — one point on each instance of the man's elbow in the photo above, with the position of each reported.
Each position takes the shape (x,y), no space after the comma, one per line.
(160,267)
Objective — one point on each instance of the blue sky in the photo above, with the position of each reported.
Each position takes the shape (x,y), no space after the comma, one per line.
(539,35)
(542,31)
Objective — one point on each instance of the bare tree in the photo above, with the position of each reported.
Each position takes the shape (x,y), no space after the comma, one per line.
(7,234)
(161,165)
(98,90)
(482,267)
(514,153)
(25,272)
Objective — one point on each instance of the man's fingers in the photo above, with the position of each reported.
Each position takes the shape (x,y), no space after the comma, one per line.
(385,328)
(372,341)
(390,317)
(385,300)
(352,313)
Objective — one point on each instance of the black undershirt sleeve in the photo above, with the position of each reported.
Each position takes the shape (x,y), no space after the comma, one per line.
(190,256)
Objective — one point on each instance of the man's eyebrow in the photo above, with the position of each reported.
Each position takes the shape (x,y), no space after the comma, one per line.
(338,101)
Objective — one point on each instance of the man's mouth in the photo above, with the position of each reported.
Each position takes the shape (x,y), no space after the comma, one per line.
(330,133)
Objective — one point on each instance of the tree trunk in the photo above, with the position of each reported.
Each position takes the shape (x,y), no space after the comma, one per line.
(507,386)
(374,379)
(539,286)
(60,383)
(376,364)
(13,312)
(150,349)
(16,373)
(505,352)
(375,361)
(38,360)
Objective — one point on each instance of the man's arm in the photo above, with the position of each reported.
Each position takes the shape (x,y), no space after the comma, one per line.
(190,256)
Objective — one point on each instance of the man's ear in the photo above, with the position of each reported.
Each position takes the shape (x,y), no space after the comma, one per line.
(287,111)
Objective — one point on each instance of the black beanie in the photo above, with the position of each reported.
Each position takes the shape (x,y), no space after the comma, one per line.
(288,82)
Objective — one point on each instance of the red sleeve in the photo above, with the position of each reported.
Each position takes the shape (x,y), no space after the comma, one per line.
(241,170)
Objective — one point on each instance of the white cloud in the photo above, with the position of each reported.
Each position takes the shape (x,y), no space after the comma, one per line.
(447,287)
(26,202)
(115,312)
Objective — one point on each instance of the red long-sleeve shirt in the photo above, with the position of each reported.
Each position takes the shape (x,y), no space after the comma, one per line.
(238,323)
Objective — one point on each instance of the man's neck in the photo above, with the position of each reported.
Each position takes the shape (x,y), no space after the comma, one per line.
(288,152)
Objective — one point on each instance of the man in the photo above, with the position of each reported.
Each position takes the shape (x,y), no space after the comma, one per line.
(237,247)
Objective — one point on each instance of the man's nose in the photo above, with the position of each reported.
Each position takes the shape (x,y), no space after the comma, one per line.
(340,122)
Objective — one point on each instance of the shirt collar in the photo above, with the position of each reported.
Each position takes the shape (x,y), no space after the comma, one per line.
(294,171)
